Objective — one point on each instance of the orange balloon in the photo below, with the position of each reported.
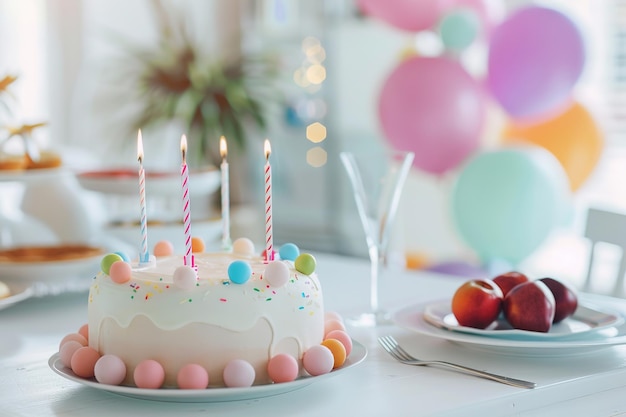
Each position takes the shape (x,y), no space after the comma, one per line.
(572,137)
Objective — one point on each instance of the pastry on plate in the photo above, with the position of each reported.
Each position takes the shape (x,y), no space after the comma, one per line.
(47,159)
(63,252)
(11,162)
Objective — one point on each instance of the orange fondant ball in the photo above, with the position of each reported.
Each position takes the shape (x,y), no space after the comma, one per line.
(338,351)
(163,248)
(83,361)
(343,337)
(197,244)
(84,331)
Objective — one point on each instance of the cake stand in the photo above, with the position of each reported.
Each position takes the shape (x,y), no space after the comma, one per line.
(118,190)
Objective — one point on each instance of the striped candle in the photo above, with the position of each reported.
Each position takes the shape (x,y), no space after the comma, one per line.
(144,256)
(226,242)
(269,238)
(184,175)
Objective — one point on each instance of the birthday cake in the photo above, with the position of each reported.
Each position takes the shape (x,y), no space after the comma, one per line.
(233,319)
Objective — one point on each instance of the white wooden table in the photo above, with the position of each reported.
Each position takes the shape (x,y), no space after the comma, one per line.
(590,384)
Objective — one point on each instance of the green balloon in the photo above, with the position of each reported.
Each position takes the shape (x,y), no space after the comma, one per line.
(506,202)
(108,260)
(305,263)
(459,28)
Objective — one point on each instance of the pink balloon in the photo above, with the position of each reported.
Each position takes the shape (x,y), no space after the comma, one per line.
(536,56)
(433,107)
(410,15)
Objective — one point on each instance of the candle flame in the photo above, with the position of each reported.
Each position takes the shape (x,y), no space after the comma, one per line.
(139,147)
(183,147)
(223,147)
(267,148)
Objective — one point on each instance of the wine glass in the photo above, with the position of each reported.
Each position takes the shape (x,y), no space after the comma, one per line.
(377,180)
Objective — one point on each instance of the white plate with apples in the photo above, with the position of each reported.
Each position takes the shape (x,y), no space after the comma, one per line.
(586,319)
(413,318)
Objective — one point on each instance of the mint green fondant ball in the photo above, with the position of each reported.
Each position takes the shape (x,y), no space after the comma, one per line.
(108,260)
(305,263)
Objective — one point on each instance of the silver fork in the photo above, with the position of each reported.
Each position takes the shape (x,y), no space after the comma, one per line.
(401,355)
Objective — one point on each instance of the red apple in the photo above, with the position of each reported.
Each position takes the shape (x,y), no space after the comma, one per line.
(530,306)
(565,297)
(477,303)
(508,280)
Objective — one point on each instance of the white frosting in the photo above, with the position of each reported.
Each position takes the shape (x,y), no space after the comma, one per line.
(150,317)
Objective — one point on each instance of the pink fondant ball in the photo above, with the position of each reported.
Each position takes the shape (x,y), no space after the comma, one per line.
(110,370)
(343,337)
(276,273)
(192,376)
(282,368)
(163,248)
(67,351)
(332,315)
(84,361)
(318,360)
(120,272)
(74,336)
(108,260)
(149,374)
(243,246)
(332,324)
(84,331)
(185,277)
(238,373)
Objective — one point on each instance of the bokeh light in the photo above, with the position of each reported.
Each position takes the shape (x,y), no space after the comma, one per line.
(316,132)
(316,157)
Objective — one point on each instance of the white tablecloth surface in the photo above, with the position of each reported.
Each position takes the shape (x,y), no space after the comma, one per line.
(591,384)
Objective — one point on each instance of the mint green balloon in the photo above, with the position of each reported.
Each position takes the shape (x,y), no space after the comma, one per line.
(459,28)
(506,202)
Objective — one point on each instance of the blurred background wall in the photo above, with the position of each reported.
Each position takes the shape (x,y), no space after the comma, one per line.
(332,61)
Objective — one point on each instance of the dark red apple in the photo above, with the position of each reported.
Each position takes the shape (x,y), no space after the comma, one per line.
(530,306)
(565,297)
(477,303)
(510,279)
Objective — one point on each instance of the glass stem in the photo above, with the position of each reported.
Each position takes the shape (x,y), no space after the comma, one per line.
(374,254)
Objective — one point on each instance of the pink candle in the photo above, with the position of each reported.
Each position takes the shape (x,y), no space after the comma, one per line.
(184,175)
(226,242)
(144,256)
(269,238)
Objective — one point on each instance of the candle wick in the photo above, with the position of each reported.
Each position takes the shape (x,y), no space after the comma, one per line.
(184,158)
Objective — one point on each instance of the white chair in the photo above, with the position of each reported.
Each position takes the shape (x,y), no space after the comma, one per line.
(608,227)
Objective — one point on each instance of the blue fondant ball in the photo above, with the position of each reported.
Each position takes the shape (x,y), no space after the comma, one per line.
(289,252)
(239,272)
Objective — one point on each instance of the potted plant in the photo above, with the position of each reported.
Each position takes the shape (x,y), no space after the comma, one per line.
(210,97)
